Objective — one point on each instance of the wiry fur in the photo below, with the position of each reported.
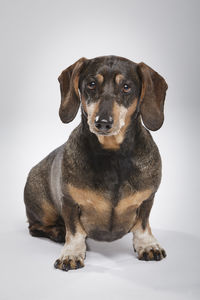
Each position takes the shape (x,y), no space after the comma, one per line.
(85,189)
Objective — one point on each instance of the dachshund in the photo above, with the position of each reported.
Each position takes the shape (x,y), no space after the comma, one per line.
(102,182)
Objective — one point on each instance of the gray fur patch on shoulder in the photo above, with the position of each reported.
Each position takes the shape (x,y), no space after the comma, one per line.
(56,178)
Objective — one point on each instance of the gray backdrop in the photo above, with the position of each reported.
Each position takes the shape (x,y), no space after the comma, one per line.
(41,38)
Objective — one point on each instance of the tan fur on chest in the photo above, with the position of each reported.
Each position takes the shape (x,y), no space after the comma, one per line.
(99,213)
(88,198)
(134,200)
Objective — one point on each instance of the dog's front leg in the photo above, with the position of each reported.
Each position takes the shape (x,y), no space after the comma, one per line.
(145,244)
(74,250)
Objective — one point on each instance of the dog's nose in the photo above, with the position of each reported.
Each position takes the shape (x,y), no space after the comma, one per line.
(103,124)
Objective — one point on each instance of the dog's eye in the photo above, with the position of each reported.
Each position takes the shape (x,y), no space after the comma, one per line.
(92,85)
(126,88)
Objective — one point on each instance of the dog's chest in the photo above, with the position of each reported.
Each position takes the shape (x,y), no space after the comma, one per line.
(101,219)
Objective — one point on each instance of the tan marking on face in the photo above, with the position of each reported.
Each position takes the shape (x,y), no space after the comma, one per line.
(50,214)
(130,112)
(100,78)
(119,114)
(118,78)
(122,118)
(92,110)
(132,201)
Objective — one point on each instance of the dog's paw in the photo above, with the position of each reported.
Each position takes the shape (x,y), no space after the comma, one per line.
(69,263)
(154,252)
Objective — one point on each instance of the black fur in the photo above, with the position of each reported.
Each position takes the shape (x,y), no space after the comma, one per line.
(86,165)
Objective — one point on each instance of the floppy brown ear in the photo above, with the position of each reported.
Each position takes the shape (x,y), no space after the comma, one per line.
(70,100)
(152,97)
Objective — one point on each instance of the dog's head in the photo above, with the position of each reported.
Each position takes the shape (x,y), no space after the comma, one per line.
(112,90)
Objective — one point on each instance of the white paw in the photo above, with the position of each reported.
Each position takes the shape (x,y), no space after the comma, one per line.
(73,254)
(147,247)
(151,252)
(70,262)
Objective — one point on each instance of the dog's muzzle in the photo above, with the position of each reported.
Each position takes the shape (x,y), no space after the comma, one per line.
(103,125)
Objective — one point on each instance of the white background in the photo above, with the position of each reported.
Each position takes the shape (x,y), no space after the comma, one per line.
(41,38)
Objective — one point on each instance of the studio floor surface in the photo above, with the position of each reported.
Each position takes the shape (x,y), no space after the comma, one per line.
(111,270)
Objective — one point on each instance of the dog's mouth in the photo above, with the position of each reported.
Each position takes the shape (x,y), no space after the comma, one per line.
(102,133)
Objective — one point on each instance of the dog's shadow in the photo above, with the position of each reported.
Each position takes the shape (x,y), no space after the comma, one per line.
(110,249)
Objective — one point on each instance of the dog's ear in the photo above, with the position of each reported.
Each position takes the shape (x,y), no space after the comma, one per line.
(152,97)
(70,101)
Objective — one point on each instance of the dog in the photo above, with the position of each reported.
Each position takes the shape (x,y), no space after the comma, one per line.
(101,183)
